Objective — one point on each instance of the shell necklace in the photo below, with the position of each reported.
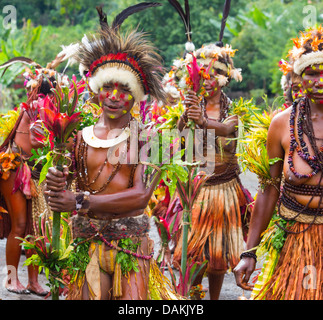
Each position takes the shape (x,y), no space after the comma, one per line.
(95,142)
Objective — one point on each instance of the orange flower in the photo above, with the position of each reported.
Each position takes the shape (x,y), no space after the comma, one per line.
(285,67)
(315,43)
(297,43)
(8,162)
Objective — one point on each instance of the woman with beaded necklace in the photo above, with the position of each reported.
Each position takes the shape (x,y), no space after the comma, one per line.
(295,136)
(216,234)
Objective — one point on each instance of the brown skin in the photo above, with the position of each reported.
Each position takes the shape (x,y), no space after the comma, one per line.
(278,146)
(117,200)
(223,130)
(194,111)
(17,208)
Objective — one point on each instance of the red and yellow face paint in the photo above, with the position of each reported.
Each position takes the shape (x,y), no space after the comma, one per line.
(313,83)
(116,98)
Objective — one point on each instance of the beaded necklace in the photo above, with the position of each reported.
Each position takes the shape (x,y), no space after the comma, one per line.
(301,148)
(82,172)
(304,126)
(224,107)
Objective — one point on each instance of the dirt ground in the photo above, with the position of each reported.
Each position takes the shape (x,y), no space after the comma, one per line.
(230,291)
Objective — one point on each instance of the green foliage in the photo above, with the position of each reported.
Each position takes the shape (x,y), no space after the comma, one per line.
(262,33)
(275,236)
(260,29)
(78,258)
(127,261)
(15,43)
(46,257)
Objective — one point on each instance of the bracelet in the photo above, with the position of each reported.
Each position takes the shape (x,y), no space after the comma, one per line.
(248,254)
(205,123)
(82,202)
(184,118)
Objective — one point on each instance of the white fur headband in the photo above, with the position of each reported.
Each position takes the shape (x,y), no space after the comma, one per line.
(107,74)
(307,60)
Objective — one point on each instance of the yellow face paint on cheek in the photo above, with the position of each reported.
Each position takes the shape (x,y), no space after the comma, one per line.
(130,97)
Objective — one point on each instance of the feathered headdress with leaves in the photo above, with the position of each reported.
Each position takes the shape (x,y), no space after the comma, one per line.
(127,58)
(307,50)
(220,55)
(38,79)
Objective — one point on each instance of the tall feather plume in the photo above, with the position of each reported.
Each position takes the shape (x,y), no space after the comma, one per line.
(188,19)
(184,15)
(226,11)
(122,16)
(103,18)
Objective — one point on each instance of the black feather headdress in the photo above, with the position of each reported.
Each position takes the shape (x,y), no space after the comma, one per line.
(123,15)
(226,11)
(220,55)
(128,58)
(185,16)
(37,81)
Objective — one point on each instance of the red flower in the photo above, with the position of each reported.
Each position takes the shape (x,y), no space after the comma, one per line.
(194,73)
(164,230)
(60,125)
(37,131)
(31,109)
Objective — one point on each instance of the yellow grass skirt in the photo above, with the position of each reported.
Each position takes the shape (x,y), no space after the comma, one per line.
(103,259)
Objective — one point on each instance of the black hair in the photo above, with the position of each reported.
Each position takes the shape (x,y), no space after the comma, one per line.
(47,84)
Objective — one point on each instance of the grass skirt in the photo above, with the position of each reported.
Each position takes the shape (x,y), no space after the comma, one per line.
(103,259)
(216,231)
(296,273)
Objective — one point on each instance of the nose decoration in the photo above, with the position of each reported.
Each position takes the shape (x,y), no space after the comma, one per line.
(114,94)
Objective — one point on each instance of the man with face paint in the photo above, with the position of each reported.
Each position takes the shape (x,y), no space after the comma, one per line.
(296,137)
(218,204)
(111,196)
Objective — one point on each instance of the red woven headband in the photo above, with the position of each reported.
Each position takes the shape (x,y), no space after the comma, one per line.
(122,58)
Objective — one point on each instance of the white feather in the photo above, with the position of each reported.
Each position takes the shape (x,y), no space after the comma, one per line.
(236,74)
(69,52)
(222,80)
(189,46)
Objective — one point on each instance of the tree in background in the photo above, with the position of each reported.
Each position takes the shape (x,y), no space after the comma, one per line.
(260,29)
